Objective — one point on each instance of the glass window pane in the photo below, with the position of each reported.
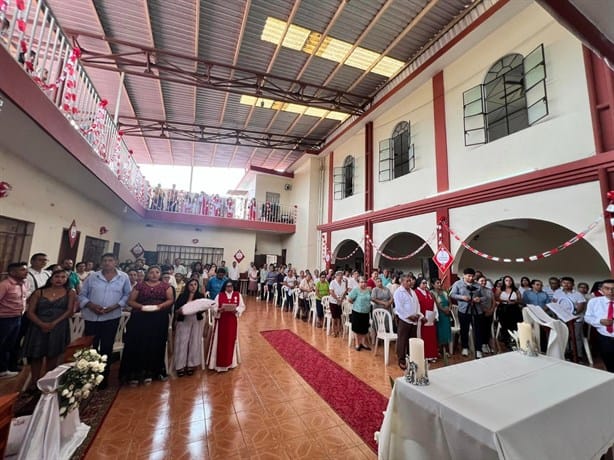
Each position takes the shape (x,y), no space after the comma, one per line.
(534,58)
(538,111)
(472,123)
(534,76)
(472,95)
(536,93)
(474,137)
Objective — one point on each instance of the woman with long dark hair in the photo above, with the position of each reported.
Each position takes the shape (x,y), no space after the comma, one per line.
(49,309)
(188,331)
(509,310)
(147,330)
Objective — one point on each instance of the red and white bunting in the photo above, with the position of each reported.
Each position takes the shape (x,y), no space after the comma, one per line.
(532,258)
(408,256)
(351,254)
(69,76)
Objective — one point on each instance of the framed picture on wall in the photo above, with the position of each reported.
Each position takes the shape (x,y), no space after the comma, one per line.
(137,250)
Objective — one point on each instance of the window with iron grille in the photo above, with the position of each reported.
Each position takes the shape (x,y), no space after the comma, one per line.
(344,179)
(396,155)
(511,98)
(15,241)
(189,254)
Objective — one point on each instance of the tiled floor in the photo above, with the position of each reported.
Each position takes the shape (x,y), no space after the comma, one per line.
(262,409)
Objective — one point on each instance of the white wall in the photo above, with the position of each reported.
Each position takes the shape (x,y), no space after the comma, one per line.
(174,234)
(417,109)
(564,135)
(274,184)
(352,205)
(52,205)
(573,207)
(268,243)
(303,246)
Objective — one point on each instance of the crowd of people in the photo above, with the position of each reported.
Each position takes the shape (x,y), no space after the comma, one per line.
(420,304)
(36,304)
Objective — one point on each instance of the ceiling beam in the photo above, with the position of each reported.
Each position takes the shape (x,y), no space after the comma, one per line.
(153,128)
(166,66)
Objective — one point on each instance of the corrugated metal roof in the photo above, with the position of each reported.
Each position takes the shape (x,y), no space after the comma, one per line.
(229,32)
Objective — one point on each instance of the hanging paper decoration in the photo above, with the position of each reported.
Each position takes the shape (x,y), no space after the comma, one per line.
(96,129)
(351,254)
(408,256)
(5,188)
(4,5)
(69,105)
(532,258)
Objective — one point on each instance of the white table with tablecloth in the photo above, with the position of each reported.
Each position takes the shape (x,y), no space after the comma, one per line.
(508,406)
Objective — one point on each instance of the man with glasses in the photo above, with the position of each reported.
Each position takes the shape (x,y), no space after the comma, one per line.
(600,315)
(468,296)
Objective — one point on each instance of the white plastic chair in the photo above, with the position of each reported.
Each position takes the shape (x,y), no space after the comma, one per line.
(295,305)
(275,294)
(455,330)
(559,333)
(313,311)
(328,317)
(77,326)
(346,311)
(258,291)
(383,322)
(118,345)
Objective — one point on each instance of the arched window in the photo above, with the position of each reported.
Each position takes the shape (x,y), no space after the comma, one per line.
(344,179)
(396,155)
(512,97)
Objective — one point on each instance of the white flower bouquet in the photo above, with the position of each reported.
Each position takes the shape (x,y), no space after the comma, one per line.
(79,381)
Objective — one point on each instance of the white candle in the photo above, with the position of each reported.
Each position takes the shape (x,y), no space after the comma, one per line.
(416,354)
(525,334)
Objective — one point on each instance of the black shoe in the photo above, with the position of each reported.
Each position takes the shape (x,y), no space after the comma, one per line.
(364,347)
(359,347)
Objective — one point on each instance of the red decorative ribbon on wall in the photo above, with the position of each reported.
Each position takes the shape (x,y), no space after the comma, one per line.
(408,256)
(532,258)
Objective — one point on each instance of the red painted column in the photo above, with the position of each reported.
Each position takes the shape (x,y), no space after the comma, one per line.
(600,81)
(443,214)
(368,248)
(331,178)
(441,140)
(605,185)
(369,166)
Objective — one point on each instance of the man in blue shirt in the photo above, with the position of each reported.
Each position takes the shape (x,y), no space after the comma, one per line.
(102,297)
(535,295)
(214,286)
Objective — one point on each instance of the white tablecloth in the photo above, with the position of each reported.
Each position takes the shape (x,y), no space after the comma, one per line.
(508,406)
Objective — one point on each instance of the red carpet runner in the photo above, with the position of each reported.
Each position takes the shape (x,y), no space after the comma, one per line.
(359,405)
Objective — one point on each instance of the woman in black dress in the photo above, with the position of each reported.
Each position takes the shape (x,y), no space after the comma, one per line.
(49,309)
(147,330)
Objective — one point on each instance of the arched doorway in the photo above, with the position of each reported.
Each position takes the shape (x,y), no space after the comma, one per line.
(402,244)
(518,238)
(349,256)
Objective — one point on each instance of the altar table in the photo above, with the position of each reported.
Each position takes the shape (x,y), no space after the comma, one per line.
(507,406)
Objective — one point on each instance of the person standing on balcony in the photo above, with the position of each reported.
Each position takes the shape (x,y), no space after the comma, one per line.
(102,297)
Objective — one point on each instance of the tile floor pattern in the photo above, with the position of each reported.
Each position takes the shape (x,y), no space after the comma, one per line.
(261,410)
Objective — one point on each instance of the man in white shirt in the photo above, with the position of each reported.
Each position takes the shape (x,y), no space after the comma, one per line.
(575,302)
(352,281)
(600,315)
(178,267)
(407,309)
(37,275)
(233,275)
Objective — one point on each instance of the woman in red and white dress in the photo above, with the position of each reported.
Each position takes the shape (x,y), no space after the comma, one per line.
(224,346)
(427,308)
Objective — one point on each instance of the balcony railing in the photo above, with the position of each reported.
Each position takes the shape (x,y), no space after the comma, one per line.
(180,202)
(31,34)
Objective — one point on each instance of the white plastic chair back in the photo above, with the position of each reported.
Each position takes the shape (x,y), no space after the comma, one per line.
(559,333)
(313,311)
(328,317)
(77,326)
(382,320)
(118,345)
